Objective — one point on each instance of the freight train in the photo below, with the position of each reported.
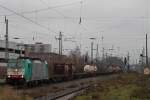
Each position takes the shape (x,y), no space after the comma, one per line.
(34,71)
(43,69)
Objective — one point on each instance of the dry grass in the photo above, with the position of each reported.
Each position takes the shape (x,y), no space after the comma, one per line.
(121,88)
(130,86)
(8,93)
(41,91)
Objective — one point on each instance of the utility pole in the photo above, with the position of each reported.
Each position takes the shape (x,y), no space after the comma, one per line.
(103,55)
(146,53)
(6,40)
(125,63)
(128,59)
(60,43)
(142,57)
(92,52)
(97,53)
(92,43)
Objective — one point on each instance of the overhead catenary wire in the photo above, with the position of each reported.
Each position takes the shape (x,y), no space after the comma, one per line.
(43,2)
(64,16)
(51,7)
(25,31)
(39,10)
(18,14)
(44,9)
(60,35)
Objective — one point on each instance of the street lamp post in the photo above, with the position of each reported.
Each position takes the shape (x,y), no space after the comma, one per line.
(92,43)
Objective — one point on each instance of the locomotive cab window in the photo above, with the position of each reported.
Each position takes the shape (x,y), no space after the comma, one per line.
(12,63)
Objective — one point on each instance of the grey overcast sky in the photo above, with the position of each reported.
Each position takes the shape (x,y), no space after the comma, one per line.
(122,23)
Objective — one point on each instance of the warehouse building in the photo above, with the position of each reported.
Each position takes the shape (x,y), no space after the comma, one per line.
(38,47)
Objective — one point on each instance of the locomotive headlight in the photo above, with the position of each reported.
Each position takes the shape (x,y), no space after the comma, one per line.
(21,76)
(8,76)
(16,70)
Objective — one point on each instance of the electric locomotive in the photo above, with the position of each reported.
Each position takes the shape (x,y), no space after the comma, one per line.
(26,70)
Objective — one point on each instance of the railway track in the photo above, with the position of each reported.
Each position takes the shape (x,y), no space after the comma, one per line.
(64,95)
(73,88)
(20,86)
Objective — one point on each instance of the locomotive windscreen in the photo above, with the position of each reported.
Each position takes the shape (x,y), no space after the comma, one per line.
(13,63)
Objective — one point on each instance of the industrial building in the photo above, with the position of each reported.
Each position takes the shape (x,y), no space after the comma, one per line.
(14,50)
(37,48)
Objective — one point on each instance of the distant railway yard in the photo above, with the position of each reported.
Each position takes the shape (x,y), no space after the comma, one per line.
(122,86)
